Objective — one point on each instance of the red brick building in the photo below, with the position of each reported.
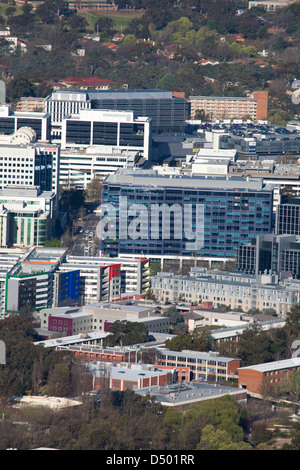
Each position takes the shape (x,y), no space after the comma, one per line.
(255,378)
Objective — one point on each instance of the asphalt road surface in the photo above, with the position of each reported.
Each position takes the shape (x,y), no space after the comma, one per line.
(83,242)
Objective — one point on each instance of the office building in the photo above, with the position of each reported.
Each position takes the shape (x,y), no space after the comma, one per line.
(233,289)
(167,112)
(274,254)
(288,217)
(29,284)
(129,376)
(31,165)
(120,129)
(78,167)
(201,365)
(12,121)
(27,215)
(222,108)
(183,397)
(182,215)
(100,317)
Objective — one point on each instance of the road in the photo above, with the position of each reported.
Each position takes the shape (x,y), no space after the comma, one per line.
(82,242)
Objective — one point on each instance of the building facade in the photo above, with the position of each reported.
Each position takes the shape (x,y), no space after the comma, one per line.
(222,108)
(120,129)
(133,275)
(203,216)
(167,112)
(258,378)
(275,254)
(201,366)
(78,167)
(100,317)
(27,215)
(12,121)
(233,289)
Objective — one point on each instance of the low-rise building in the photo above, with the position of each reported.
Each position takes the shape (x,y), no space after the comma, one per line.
(191,394)
(258,379)
(200,366)
(201,317)
(128,376)
(100,317)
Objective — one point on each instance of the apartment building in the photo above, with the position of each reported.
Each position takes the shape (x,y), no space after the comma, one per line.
(99,281)
(233,289)
(221,108)
(29,284)
(134,275)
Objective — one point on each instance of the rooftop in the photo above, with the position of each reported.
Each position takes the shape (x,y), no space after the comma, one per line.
(187,394)
(138,177)
(270,366)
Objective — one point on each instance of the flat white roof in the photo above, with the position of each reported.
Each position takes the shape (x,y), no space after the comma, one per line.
(275,365)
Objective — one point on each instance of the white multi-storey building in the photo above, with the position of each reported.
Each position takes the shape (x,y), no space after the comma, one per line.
(235,290)
(78,167)
(119,129)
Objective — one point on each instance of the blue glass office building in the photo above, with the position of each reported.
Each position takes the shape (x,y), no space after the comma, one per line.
(234,211)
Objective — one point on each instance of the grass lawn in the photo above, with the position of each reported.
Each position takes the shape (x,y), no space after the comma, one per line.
(121,18)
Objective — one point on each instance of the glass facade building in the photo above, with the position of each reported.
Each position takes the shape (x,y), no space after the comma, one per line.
(233,211)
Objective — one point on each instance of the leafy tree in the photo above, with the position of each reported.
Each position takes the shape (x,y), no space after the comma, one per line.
(125,333)
(104,24)
(19,87)
(219,439)
(254,346)
(167,82)
(59,381)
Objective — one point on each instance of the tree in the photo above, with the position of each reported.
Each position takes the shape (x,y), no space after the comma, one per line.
(104,24)
(254,346)
(219,439)
(19,87)
(167,82)
(94,190)
(125,333)
(59,382)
